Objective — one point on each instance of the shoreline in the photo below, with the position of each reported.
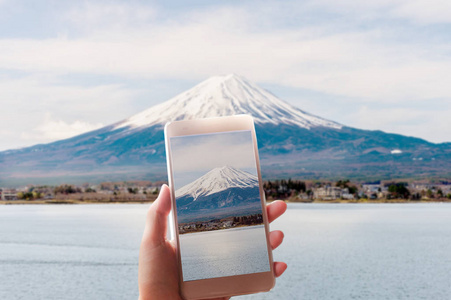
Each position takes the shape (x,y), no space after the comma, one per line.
(220,229)
(366,201)
(338,201)
(69,202)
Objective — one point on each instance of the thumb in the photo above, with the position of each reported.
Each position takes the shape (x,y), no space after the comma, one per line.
(157,215)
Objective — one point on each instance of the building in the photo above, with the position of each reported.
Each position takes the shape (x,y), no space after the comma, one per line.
(347,196)
(8,194)
(371,188)
(327,193)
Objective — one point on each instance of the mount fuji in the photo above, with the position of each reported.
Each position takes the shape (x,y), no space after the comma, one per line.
(291,142)
(226,191)
(217,180)
(225,96)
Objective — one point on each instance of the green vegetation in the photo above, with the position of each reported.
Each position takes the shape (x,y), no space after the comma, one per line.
(399,190)
(347,184)
(29,195)
(283,188)
(132,190)
(67,189)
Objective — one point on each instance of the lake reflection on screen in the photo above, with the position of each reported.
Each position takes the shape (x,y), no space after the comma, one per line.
(223,253)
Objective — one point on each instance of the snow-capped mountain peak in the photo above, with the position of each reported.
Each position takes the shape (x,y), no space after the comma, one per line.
(217,180)
(225,96)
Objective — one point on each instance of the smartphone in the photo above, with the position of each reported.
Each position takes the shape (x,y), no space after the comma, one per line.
(218,216)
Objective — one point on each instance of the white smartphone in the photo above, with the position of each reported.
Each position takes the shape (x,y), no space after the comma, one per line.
(218,216)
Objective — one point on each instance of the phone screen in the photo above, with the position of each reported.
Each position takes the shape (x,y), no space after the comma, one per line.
(219,210)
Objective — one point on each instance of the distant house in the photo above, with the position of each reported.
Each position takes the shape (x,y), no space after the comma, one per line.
(227,224)
(445,188)
(348,196)
(422,187)
(9,194)
(327,193)
(49,196)
(303,196)
(382,195)
(371,188)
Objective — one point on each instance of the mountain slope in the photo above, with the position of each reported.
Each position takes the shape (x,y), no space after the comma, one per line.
(217,180)
(225,96)
(222,191)
(291,143)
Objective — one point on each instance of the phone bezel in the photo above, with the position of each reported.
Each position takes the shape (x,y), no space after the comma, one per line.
(222,286)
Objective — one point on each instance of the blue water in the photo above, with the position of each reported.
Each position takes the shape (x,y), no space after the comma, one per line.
(334,251)
(221,253)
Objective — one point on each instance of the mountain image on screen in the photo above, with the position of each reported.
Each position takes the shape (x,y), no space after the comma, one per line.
(220,193)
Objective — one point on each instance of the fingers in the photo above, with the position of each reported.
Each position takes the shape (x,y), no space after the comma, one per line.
(279,268)
(164,201)
(156,222)
(275,210)
(275,238)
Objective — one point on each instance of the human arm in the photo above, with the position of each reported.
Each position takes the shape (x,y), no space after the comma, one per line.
(158,271)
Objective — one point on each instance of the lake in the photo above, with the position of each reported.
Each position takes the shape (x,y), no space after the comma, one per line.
(334,251)
(221,253)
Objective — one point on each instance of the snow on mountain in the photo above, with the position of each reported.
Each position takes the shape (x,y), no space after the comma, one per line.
(225,96)
(217,180)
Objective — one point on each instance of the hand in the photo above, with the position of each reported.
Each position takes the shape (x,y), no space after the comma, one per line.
(158,273)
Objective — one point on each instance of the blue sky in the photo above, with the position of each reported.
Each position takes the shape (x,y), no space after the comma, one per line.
(195,155)
(67,67)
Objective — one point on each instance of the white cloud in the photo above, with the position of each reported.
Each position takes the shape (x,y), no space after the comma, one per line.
(26,103)
(42,92)
(91,15)
(195,155)
(432,124)
(361,52)
(417,11)
(425,11)
(206,152)
(52,130)
(47,130)
(355,64)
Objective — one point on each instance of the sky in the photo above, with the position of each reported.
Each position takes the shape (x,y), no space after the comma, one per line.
(195,155)
(67,67)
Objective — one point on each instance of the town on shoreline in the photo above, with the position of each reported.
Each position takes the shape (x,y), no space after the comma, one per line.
(346,191)
(286,189)
(219,224)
